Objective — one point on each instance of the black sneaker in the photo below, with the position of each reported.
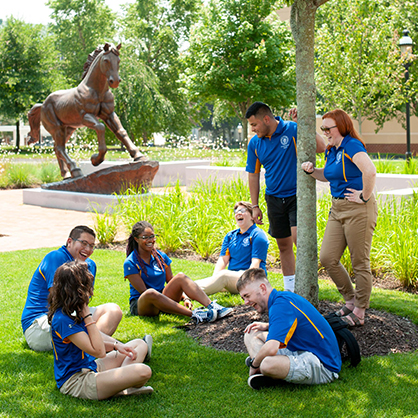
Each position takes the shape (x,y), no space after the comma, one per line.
(258,381)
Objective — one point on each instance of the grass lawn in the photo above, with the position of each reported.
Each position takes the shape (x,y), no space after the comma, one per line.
(190,380)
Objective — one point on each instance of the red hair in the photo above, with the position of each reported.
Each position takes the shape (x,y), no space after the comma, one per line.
(344,123)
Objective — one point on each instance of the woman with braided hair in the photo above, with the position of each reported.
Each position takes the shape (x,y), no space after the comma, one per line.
(153,289)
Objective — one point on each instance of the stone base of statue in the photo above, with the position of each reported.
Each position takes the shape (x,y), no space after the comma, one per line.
(113,180)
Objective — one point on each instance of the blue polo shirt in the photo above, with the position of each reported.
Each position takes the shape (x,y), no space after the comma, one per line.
(340,170)
(68,358)
(241,248)
(154,277)
(298,326)
(42,280)
(278,155)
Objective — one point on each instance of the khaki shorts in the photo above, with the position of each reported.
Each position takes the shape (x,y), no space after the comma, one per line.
(83,384)
(38,335)
(306,368)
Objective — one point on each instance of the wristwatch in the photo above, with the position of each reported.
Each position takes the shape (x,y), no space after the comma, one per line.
(363,199)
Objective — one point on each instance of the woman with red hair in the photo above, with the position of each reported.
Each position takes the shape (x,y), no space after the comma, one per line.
(353,213)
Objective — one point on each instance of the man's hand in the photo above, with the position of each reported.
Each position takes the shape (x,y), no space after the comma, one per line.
(257,326)
(258,216)
(293,114)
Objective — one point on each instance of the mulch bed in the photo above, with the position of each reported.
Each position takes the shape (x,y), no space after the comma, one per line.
(383,332)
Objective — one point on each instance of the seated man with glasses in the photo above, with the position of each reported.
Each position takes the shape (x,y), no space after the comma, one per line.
(243,248)
(79,246)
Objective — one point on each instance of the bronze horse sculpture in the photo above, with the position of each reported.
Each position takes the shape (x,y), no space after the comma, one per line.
(66,110)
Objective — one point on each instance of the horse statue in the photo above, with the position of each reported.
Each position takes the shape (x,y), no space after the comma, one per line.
(66,110)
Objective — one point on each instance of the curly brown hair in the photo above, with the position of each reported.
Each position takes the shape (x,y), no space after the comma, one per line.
(72,289)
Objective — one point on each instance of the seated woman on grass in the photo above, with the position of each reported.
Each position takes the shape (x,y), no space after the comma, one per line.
(153,289)
(77,341)
(242,249)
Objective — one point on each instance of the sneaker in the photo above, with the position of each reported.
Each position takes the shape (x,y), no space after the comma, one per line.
(258,381)
(221,310)
(148,341)
(204,315)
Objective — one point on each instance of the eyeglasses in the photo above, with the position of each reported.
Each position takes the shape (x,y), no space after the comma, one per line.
(327,130)
(85,244)
(243,210)
(148,237)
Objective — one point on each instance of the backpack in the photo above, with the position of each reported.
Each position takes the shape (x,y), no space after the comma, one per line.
(347,342)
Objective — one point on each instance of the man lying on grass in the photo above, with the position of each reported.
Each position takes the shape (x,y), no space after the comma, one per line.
(297,345)
(79,246)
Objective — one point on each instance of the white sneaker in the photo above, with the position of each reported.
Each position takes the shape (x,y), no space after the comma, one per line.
(148,340)
(221,310)
(204,315)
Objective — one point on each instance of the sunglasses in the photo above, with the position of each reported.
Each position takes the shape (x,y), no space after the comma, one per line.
(148,237)
(327,130)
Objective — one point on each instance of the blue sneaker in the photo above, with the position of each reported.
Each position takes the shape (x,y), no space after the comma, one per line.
(221,310)
(204,315)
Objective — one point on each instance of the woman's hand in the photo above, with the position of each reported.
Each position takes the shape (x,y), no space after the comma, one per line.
(126,350)
(293,114)
(308,167)
(354,196)
(188,304)
(85,311)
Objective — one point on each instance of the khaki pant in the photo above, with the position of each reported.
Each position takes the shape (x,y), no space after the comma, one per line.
(351,224)
(222,280)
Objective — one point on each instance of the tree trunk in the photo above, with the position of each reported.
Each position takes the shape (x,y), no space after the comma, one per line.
(302,22)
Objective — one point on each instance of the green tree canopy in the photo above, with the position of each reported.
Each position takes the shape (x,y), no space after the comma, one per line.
(358,64)
(152,98)
(241,52)
(80,26)
(28,70)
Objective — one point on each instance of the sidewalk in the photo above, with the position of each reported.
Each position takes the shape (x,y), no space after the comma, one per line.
(24,227)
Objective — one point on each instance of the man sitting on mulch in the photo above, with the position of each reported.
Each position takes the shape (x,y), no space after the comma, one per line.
(297,345)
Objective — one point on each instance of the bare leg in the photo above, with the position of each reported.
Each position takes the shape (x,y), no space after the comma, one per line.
(180,284)
(254,340)
(122,372)
(152,302)
(276,367)
(108,317)
(287,257)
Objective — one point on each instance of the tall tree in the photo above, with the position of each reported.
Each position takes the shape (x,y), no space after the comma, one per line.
(80,26)
(154,32)
(240,52)
(358,64)
(27,68)
(302,21)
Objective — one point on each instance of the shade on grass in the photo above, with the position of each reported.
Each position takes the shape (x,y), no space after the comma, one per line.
(191,380)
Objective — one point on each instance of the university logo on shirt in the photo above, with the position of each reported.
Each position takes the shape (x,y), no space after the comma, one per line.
(284,141)
(246,242)
(339,157)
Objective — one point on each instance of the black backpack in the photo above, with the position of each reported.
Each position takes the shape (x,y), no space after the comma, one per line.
(348,344)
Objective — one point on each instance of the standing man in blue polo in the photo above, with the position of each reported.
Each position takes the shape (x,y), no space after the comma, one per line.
(274,148)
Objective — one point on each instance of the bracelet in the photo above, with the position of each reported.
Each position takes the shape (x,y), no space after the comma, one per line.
(307,172)
(251,364)
(114,346)
(255,206)
(90,323)
(90,314)
(363,199)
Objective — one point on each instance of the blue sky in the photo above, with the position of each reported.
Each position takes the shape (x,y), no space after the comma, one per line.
(35,11)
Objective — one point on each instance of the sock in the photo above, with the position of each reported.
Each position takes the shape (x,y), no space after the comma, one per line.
(289,283)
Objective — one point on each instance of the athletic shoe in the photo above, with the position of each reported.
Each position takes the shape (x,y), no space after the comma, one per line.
(204,315)
(135,391)
(221,310)
(148,340)
(248,361)
(258,381)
